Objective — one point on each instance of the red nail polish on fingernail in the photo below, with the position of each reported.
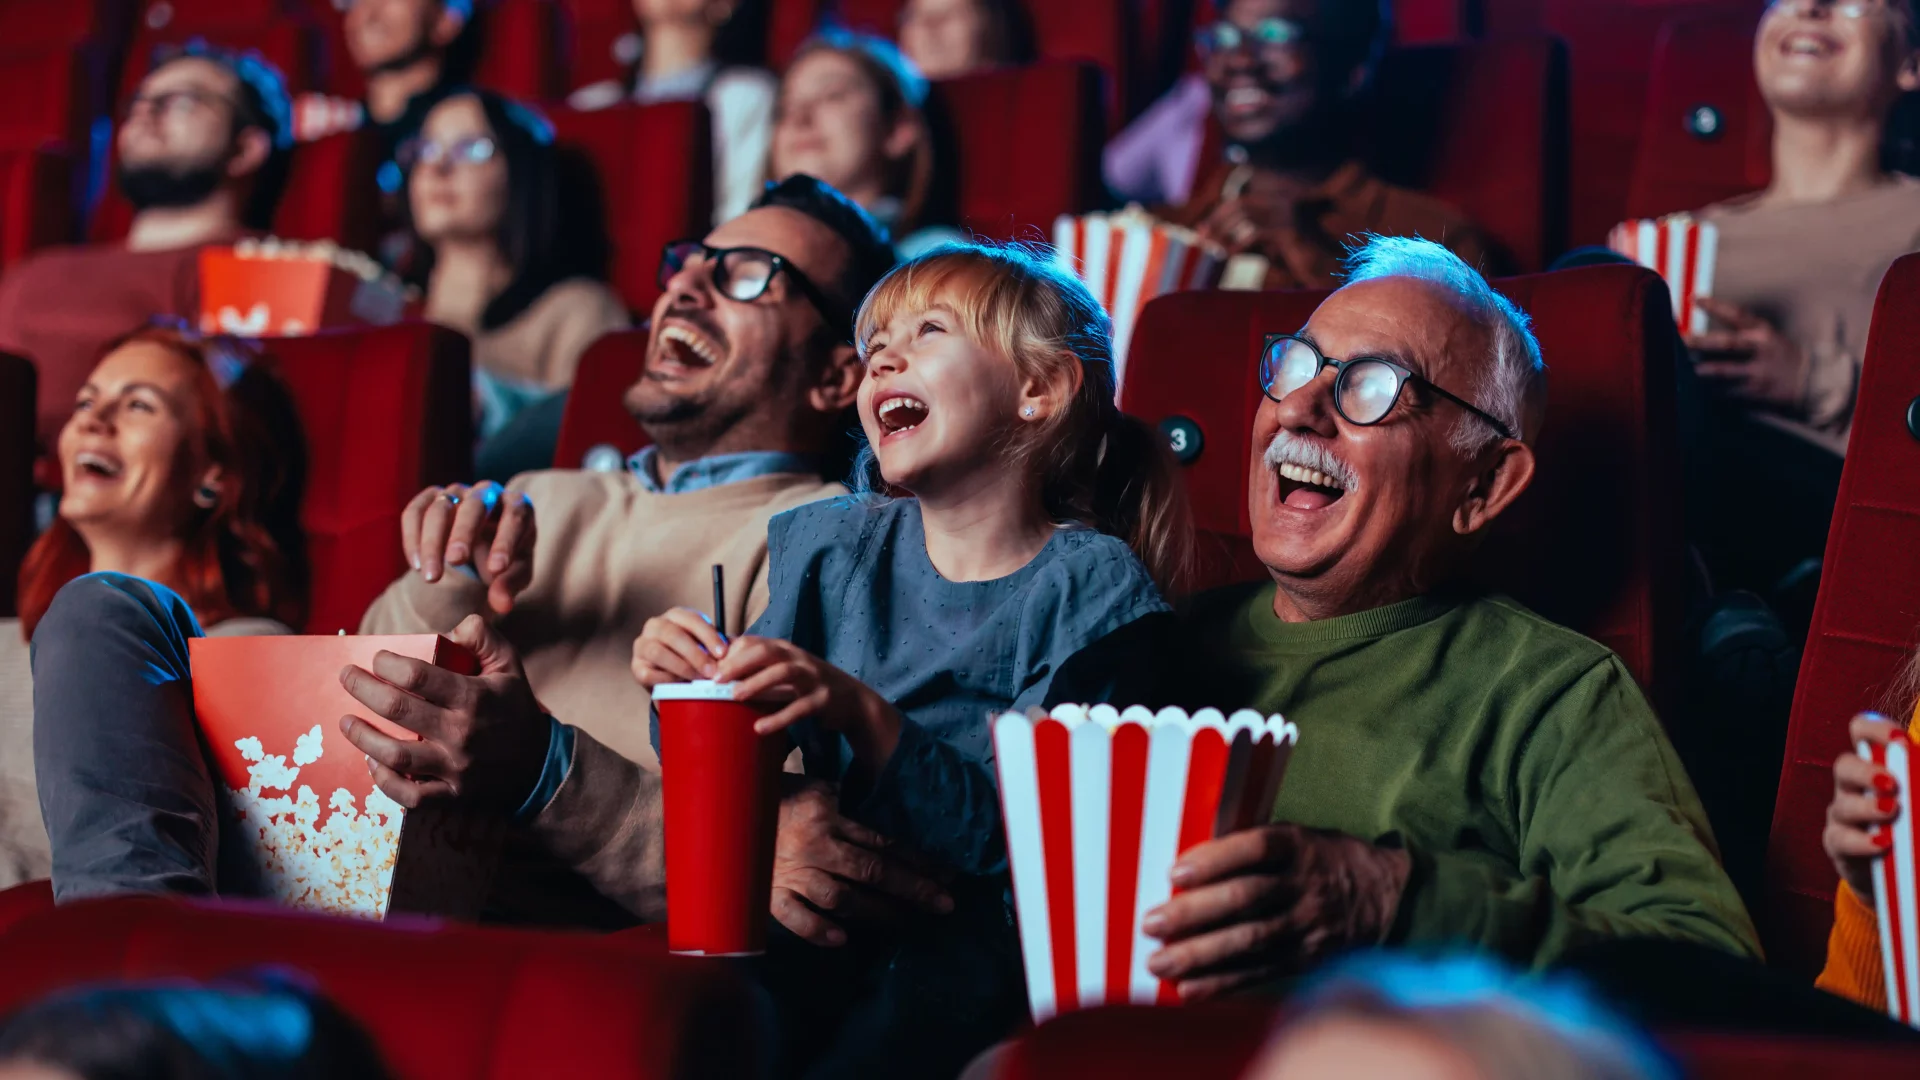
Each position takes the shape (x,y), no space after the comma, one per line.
(1883,839)
(1884,784)
(1887,805)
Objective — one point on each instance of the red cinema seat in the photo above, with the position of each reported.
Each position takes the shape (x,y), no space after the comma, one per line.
(36,25)
(596,413)
(1611,46)
(1604,498)
(1219,1041)
(330,195)
(36,187)
(603,45)
(1481,125)
(294,48)
(654,170)
(1706,135)
(1865,622)
(441,1001)
(191,15)
(385,412)
(48,96)
(1021,146)
(521,49)
(18,380)
(790,23)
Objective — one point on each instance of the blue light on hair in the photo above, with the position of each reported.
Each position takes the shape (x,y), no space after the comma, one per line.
(530,120)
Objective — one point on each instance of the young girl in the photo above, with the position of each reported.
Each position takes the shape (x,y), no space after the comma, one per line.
(1864,798)
(1009,549)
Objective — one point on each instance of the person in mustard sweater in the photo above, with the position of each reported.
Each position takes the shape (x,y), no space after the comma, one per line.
(1864,797)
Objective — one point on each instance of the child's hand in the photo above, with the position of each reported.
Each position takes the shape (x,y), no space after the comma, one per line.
(679,646)
(1864,796)
(772,669)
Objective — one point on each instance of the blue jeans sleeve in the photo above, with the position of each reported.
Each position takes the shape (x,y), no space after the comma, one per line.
(124,784)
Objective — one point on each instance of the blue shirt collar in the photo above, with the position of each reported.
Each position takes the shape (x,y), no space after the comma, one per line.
(715,470)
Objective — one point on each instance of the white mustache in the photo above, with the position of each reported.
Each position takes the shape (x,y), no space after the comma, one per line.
(1289,449)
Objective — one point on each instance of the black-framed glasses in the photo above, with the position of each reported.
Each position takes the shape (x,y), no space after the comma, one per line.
(467,150)
(174,103)
(1365,389)
(1266,37)
(746,273)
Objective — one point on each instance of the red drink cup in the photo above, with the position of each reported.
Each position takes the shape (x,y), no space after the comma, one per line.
(721,786)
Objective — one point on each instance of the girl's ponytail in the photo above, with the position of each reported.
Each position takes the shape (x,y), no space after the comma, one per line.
(1140,497)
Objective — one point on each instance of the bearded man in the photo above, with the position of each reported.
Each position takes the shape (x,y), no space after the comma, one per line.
(202,156)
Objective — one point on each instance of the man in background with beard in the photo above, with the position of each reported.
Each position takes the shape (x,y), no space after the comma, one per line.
(202,151)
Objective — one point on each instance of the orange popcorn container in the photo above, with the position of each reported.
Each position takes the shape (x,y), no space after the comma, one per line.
(265,289)
(310,829)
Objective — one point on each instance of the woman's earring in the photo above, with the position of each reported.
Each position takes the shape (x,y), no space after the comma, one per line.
(207,497)
(1028,412)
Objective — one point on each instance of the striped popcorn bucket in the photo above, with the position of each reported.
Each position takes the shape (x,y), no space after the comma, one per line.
(1894,887)
(1679,249)
(1127,259)
(1098,805)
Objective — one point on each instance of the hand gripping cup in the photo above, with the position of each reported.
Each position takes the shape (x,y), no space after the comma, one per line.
(721,787)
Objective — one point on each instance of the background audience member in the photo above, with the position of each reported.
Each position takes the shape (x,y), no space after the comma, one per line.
(849,113)
(506,266)
(687,54)
(1865,801)
(949,38)
(202,156)
(411,53)
(1291,193)
(182,463)
(265,1027)
(1798,267)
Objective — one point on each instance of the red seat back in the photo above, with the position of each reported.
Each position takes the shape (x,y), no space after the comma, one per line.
(295,49)
(385,412)
(655,170)
(521,49)
(35,25)
(441,1001)
(1707,135)
(1604,499)
(48,96)
(17,397)
(1482,126)
(35,200)
(1611,48)
(1219,1041)
(1434,22)
(1865,622)
(1021,147)
(596,413)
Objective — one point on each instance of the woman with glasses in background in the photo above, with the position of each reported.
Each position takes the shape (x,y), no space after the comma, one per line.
(507,263)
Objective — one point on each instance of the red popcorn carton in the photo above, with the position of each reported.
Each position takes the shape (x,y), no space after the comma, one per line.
(1099,804)
(1129,258)
(1894,885)
(297,797)
(274,288)
(1680,249)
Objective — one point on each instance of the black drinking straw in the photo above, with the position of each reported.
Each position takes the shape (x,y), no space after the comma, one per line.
(720,599)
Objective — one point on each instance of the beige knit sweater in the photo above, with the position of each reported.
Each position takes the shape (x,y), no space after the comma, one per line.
(610,556)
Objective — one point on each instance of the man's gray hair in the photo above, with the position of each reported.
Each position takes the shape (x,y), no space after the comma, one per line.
(1514,385)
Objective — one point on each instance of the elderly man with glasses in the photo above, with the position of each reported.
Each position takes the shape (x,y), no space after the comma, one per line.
(1468,772)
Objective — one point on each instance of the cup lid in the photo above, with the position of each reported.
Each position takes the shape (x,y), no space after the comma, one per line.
(701,690)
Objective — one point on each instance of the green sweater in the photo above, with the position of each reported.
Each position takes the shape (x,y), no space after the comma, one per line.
(1515,760)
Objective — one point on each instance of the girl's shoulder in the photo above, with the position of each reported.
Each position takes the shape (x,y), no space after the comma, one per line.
(1094,571)
(838,522)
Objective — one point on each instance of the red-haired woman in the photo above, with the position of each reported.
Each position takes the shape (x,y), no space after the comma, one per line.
(181,470)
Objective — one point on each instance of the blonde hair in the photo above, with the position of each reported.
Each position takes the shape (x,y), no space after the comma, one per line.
(1902,700)
(1099,467)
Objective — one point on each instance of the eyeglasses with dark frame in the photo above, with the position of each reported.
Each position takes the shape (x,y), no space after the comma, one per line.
(1365,388)
(167,103)
(1268,37)
(746,273)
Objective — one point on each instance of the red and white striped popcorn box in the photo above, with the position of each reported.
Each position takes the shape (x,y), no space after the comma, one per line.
(1129,258)
(316,116)
(1099,803)
(1894,885)
(1680,249)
